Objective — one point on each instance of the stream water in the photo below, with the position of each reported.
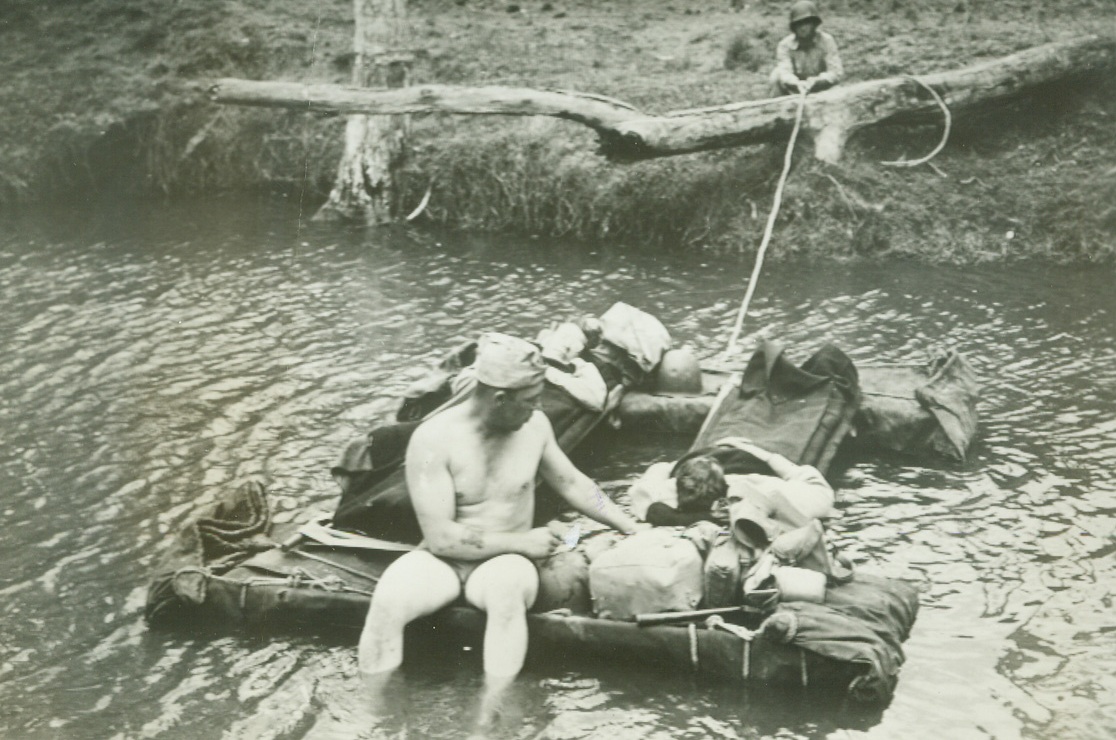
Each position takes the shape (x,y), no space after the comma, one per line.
(152,358)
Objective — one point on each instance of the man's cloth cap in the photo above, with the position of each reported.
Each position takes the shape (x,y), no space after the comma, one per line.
(508,362)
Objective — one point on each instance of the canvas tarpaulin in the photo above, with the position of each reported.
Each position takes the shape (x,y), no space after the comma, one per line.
(920,410)
(802,413)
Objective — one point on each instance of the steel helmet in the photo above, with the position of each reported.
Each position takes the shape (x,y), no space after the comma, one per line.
(804,10)
(678,374)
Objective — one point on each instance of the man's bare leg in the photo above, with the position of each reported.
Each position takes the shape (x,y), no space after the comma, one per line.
(504,588)
(413,586)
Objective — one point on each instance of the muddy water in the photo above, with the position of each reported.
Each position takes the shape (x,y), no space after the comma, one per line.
(152,359)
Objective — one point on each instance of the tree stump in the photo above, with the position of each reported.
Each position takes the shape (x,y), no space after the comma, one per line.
(374,144)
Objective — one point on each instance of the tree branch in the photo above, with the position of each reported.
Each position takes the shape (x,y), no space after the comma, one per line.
(627,134)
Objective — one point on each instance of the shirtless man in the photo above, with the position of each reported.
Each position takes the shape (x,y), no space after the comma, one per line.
(471,475)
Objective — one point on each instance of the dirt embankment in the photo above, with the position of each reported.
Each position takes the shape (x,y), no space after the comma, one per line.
(105,98)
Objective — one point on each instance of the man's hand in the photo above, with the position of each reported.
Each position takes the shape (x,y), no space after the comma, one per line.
(538,543)
(804,86)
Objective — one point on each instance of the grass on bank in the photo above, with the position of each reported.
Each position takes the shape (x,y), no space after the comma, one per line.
(1018,193)
(117,113)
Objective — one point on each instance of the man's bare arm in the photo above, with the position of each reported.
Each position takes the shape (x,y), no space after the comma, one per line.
(579,489)
(432,495)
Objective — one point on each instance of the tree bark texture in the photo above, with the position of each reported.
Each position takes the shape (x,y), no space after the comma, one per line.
(374,144)
(627,134)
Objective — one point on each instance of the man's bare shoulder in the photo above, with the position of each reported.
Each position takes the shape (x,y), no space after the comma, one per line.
(436,431)
(539,424)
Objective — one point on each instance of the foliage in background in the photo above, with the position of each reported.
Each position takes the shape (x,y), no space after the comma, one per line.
(106,98)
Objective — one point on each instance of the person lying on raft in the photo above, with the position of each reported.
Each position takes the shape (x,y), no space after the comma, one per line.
(471,473)
(761,507)
(695,491)
(563,348)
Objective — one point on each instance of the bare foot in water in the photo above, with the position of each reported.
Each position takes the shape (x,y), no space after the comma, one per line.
(500,708)
(385,698)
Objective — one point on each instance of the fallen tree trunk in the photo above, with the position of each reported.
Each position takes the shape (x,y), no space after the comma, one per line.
(627,134)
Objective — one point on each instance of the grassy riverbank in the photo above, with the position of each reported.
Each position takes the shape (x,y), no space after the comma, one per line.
(105,99)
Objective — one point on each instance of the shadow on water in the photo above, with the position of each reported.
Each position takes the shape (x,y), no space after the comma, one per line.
(157,356)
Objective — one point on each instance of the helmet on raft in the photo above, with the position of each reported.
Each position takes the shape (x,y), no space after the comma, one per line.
(678,374)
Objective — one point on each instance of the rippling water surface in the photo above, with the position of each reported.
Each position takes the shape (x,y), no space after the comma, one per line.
(152,359)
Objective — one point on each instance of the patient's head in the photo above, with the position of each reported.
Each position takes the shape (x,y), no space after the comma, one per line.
(594,330)
(701,481)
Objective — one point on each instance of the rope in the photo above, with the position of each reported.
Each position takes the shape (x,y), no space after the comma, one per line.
(778,201)
(692,629)
(945,133)
(333,564)
(746,636)
(910,397)
(299,578)
(422,204)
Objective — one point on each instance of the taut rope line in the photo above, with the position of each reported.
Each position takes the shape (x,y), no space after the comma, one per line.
(777,202)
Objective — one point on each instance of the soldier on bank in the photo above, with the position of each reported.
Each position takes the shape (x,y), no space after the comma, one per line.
(807,59)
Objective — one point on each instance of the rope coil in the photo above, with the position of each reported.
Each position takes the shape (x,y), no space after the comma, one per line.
(945,132)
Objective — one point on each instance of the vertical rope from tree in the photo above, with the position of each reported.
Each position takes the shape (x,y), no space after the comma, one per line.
(776,203)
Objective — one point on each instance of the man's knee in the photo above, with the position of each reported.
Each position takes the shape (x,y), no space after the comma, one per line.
(388,613)
(505,585)
(412,586)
